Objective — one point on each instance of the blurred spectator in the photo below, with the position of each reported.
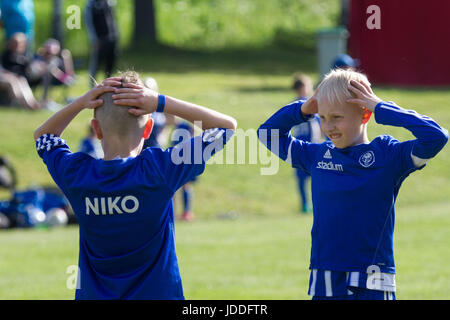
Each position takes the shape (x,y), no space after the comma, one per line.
(91,145)
(186,131)
(57,66)
(307,131)
(14,78)
(15,90)
(344,61)
(51,66)
(18,16)
(8,177)
(103,36)
(14,58)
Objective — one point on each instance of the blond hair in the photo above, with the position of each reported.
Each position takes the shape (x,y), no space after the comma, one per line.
(334,87)
(116,120)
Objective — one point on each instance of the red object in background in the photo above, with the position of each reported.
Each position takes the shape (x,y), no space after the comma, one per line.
(411,48)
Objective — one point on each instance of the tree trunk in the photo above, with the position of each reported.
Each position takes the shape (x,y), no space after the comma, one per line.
(57,23)
(144,22)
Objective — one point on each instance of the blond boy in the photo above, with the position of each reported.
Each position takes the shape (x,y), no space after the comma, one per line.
(355,181)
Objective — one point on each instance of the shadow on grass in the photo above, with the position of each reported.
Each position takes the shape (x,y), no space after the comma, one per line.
(268,60)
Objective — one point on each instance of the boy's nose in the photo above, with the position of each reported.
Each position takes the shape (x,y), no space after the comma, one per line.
(328,127)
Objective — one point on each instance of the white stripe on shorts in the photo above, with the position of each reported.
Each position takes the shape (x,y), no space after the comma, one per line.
(312,290)
(354,279)
(328,287)
(349,292)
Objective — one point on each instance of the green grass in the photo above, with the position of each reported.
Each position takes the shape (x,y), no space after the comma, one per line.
(265,252)
(248,258)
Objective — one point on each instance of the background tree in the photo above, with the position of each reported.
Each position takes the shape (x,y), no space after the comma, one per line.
(144,22)
(57,23)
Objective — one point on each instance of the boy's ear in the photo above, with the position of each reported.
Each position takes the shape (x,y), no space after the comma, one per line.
(148,129)
(97,129)
(366,116)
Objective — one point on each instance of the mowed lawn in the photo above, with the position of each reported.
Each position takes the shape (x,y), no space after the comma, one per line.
(264,252)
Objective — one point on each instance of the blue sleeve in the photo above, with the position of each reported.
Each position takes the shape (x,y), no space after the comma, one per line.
(431,138)
(186,160)
(275,135)
(400,160)
(55,153)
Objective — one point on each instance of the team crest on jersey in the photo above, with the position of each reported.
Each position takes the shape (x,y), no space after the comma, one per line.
(367,159)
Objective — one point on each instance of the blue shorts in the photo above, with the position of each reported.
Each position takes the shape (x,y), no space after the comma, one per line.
(361,294)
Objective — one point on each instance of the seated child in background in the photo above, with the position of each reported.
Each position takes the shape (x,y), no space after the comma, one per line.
(355,181)
(14,58)
(52,66)
(124,202)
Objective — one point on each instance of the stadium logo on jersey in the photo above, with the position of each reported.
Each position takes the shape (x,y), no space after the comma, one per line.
(327,154)
(329,166)
(367,159)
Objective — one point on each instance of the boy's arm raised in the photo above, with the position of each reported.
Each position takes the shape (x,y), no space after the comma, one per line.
(277,130)
(58,122)
(431,138)
(146,101)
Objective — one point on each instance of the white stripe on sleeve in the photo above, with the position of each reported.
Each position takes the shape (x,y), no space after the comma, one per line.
(289,156)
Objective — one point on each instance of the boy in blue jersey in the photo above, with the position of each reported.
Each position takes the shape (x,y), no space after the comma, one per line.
(355,181)
(123,202)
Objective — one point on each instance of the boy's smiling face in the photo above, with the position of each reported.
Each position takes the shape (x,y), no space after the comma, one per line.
(342,123)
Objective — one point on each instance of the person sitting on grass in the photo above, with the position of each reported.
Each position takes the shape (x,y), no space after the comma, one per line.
(53,66)
(123,202)
(355,181)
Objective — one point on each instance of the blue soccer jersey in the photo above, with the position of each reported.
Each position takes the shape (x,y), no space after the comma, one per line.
(354,189)
(125,212)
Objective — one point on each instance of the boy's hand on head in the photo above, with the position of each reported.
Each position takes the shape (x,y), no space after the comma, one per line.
(364,95)
(90,99)
(143,100)
(311,105)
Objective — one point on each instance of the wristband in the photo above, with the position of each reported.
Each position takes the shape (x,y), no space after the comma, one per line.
(161,103)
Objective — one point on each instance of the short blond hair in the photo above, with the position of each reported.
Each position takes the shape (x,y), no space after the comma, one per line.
(116,120)
(334,86)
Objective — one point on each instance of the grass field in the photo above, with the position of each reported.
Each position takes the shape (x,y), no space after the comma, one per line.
(240,70)
(264,253)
